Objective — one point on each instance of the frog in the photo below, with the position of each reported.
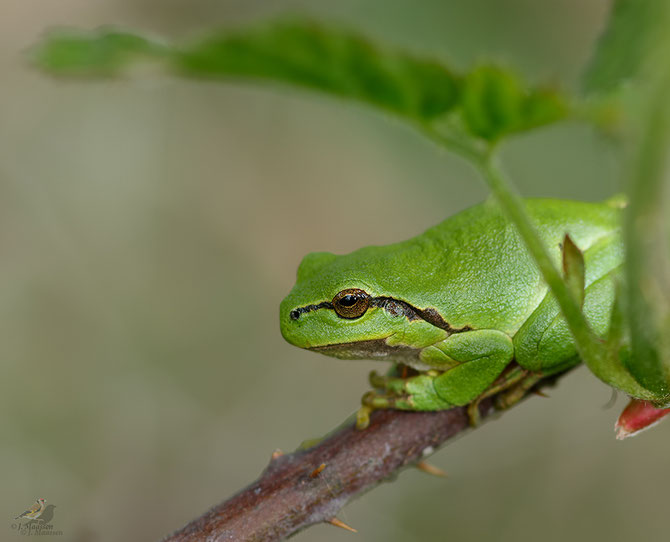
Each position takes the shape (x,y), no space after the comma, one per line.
(461,311)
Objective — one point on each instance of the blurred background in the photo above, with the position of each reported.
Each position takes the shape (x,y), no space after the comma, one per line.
(150,227)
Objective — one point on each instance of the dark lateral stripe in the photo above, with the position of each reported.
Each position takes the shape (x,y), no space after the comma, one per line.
(430,315)
(395,307)
(295,313)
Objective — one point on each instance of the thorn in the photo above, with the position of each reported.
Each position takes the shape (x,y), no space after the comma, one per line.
(339,523)
(541,393)
(276,454)
(612,400)
(426,467)
(317,470)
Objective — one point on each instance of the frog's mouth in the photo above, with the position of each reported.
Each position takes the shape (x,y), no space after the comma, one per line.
(374,349)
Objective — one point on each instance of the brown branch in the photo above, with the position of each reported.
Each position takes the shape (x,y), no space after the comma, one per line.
(296,490)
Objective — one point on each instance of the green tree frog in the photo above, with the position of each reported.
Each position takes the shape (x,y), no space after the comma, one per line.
(461,310)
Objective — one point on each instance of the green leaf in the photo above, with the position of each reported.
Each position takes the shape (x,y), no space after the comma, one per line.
(491,101)
(496,102)
(330,60)
(297,53)
(630,41)
(574,269)
(104,52)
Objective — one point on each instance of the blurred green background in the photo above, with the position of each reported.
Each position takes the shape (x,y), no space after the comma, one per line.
(149,228)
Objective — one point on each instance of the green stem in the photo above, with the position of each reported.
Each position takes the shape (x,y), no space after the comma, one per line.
(465,148)
(648,261)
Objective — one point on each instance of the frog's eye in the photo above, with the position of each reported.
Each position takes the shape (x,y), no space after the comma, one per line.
(351,303)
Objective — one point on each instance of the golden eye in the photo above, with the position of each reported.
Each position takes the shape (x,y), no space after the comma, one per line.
(351,303)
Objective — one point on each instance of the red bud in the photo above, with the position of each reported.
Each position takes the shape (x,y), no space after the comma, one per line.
(637,416)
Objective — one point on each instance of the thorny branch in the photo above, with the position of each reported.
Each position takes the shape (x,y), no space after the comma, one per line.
(311,485)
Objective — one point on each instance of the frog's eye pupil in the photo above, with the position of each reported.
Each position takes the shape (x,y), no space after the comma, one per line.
(351,303)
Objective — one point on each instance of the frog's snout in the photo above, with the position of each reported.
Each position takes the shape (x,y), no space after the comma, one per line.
(289,317)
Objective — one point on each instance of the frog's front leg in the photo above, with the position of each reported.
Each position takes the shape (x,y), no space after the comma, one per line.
(475,360)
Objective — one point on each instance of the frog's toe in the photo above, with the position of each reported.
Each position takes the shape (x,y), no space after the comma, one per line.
(378,401)
(372,401)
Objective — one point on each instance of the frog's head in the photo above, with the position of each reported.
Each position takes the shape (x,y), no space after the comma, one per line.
(340,307)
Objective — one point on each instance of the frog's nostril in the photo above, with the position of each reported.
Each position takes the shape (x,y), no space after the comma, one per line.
(294,314)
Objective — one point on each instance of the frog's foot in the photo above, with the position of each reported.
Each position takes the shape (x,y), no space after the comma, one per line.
(473,413)
(411,393)
(511,381)
(392,389)
(372,401)
(399,379)
(388,383)
(518,391)
(511,388)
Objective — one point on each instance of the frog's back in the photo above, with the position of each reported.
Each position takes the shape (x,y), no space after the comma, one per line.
(475,270)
